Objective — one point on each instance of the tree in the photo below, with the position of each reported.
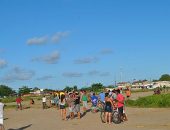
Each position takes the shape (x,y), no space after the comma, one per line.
(35,89)
(165,77)
(75,88)
(67,88)
(48,90)
(97,87)
(6,91)
(24,90)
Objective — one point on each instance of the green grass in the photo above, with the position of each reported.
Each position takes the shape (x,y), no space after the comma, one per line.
(10,106)
(8,100)
(13,99)
(154,101)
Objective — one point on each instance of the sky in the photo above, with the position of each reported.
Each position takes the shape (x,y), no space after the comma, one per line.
(58,43)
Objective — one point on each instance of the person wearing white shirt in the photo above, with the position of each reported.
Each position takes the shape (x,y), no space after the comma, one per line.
(44,102)
(1,116)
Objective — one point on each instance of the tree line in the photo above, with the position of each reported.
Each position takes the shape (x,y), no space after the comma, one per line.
(7,91)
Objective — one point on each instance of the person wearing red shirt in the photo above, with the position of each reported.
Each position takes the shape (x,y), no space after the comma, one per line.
(18,101)
(120,103)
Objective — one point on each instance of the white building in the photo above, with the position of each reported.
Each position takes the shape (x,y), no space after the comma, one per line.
(161,84)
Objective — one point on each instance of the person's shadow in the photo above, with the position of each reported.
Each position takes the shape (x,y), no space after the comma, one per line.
(22,128)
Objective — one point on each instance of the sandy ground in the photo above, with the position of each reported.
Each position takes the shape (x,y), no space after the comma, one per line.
(49,119)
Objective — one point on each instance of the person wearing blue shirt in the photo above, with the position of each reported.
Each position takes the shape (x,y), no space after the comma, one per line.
(94,100)
(102,97)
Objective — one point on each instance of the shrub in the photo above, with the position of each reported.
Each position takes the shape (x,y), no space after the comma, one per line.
(161,101)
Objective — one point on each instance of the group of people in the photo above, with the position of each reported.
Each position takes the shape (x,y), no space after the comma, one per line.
(112,100)
(62,101)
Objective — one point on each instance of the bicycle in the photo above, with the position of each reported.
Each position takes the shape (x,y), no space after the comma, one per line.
(115,116)
(98,108)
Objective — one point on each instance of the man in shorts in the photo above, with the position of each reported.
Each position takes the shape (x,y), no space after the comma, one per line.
(77,105)
(84,100)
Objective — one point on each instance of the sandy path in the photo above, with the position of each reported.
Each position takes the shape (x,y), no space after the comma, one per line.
(38,119)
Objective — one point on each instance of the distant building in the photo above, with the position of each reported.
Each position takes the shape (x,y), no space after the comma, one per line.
(37,92)
(123,84)
(142,84)
(161,84)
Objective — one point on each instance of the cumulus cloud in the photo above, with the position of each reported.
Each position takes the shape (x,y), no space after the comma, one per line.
(17,74)
(72,74)
(59,35)
(105,74)
(94,73)
(3,63)
(48,39)
(98,73)
(37,40)
(49,59)
(47,77)
(106,51)
(86,60)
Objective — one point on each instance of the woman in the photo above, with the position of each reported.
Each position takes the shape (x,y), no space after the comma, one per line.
(108,108)
(63,107)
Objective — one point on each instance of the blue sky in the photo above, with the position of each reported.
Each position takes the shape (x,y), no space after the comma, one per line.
(51,44)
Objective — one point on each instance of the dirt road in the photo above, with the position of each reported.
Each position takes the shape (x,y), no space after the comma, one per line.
(37,119)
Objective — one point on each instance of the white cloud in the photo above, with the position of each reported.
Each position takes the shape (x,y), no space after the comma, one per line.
(37,40)
(72,74)
(105,74)
(59,35)
(47,77)
(45,39)
(86,60)
(17,74)
(3,63)
(49,59)
(106,51)
(94,73)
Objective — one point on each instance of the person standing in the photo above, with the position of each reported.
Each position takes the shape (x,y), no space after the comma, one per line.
(94,100)
(63,107)
(120,103)
(44,100)
(102,97)
(70,102)
(84,100)
(77,105)
(19,102)
(128,93)
(56,101)
(1,116)
(108,108)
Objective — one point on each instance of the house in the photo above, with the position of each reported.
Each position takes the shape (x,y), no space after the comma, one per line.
(161,84)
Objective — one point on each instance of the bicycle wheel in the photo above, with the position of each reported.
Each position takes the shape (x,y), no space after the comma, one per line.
(102,116)
(116,117)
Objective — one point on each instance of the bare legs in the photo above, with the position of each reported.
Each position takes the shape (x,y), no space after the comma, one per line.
(108,117)
(63,114)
